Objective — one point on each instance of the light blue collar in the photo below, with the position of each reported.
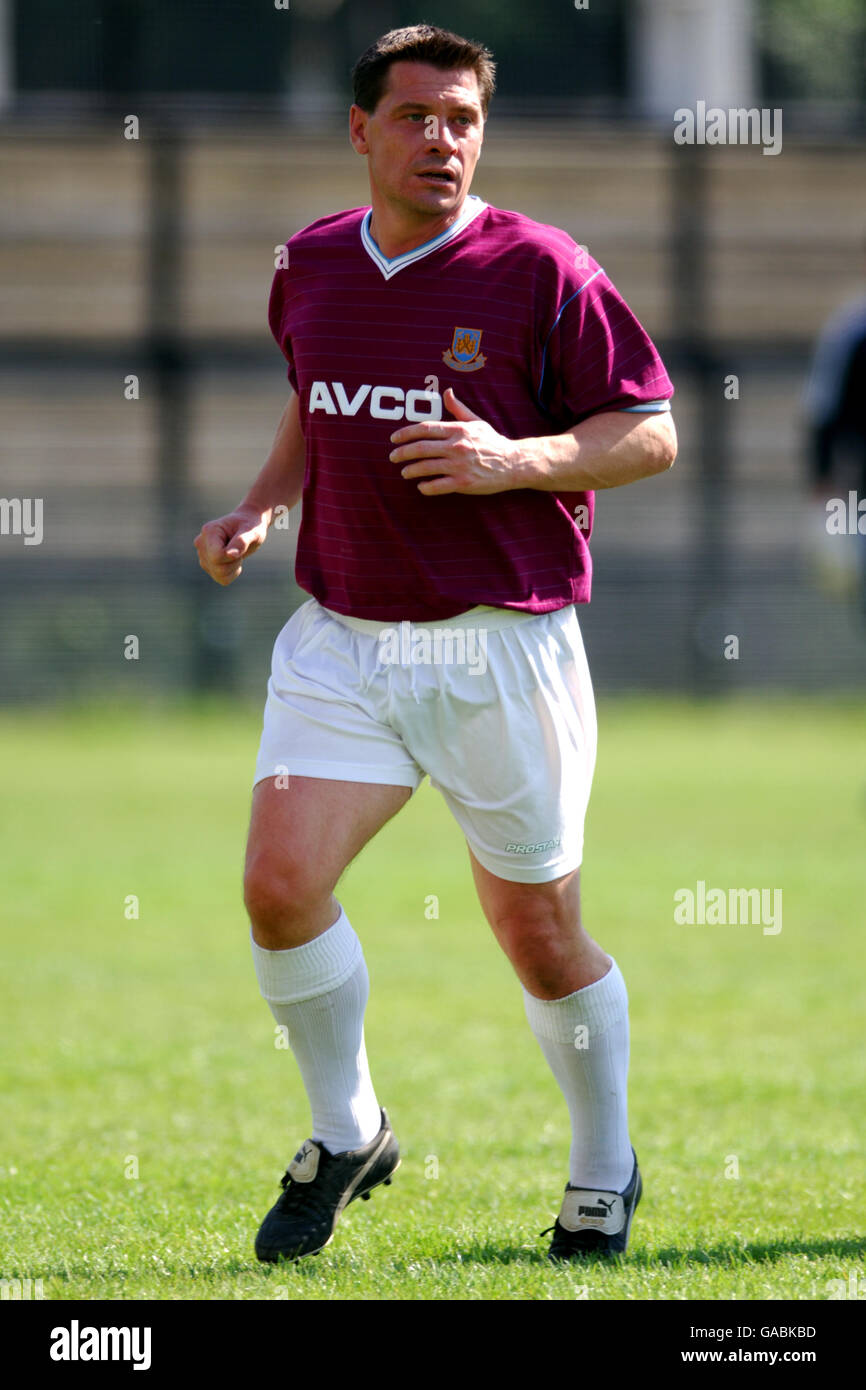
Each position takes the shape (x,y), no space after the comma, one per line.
(471,208)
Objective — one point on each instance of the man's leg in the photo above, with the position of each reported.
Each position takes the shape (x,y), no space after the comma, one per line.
(309,962)
(577,1007)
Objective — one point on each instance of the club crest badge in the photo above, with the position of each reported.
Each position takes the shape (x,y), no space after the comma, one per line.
(463,354)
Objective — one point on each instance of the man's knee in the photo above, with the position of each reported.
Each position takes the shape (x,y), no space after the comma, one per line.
(539,944)
(542,918)
(282,891)
(539,927)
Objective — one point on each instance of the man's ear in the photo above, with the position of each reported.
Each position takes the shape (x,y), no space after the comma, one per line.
(358,129)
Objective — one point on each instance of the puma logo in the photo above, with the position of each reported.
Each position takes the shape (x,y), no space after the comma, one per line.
(602,1208)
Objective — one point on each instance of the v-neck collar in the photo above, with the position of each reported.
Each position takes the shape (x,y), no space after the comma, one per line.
(471,208)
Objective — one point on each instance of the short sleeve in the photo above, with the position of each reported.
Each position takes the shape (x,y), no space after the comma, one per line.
(598,357)
(278,322)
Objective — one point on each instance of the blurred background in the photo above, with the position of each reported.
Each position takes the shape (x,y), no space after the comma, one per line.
(153,156)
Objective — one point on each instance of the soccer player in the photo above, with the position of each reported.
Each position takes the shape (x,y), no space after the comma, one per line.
(464,379)
(836,411)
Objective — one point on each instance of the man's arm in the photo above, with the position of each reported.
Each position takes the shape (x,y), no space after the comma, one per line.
(607,450)
(468,455)
(224,544)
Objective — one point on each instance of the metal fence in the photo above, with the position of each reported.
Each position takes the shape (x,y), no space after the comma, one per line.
(141,391)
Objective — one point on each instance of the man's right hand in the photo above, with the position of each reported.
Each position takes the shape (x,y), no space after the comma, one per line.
(224,544)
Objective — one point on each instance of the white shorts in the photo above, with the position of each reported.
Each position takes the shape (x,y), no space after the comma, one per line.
(495,706)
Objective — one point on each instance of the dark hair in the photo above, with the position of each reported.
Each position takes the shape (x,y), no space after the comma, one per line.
(420,43)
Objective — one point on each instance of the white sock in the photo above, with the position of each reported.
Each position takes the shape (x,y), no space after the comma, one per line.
(592,1076)
(319,992)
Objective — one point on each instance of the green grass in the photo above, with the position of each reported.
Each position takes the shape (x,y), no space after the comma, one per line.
(147,1038)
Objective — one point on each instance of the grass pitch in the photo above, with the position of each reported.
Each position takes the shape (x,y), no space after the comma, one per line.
(149,1114)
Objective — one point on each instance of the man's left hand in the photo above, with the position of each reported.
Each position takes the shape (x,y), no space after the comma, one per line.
(463,455)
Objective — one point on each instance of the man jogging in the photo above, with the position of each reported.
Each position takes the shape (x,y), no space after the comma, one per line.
(464,380)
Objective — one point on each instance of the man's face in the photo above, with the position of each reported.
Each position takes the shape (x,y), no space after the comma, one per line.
(424,138)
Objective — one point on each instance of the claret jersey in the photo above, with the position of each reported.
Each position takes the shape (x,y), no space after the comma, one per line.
(533,338)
